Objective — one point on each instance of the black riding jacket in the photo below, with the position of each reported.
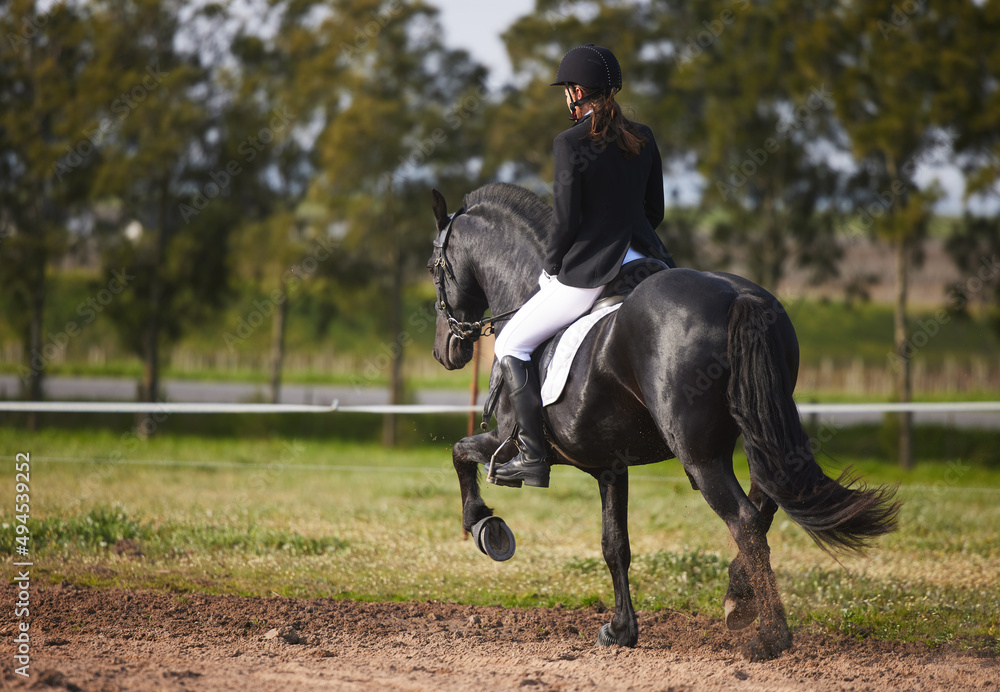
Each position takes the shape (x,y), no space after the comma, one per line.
(602,203)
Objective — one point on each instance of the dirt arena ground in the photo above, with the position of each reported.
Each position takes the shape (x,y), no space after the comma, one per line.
(96,640)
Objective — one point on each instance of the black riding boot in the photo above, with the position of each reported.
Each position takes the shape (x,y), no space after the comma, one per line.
(530,464)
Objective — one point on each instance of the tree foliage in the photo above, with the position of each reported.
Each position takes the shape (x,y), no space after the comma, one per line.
(41,126)
(164,166)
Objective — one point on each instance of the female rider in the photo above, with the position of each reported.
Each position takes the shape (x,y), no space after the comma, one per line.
(607,199)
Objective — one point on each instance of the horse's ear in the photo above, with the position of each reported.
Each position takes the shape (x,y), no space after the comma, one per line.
(440,208)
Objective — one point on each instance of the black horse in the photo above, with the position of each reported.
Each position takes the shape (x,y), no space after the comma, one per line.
(690,361)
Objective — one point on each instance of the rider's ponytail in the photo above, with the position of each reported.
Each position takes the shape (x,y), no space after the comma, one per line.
(609,124)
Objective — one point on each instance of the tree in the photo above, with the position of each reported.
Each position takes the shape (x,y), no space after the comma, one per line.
(43,140)
(762,136)
(287,242)
(396,123)
(164,162)
(974,247)
(975,244)
(900,79)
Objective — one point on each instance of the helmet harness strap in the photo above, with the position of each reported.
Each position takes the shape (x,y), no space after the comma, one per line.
(586,97)
(577,103)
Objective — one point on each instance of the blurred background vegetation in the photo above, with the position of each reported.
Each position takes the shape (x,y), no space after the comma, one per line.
(241,190)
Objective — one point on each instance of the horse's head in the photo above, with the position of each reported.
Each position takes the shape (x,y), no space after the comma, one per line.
(459,298)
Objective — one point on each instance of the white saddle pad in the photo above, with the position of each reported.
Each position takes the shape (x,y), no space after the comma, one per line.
(562,359)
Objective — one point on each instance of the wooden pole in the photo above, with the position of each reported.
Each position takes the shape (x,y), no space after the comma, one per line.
(474,388)
(473,396)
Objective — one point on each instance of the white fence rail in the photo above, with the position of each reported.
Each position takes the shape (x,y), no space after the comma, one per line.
(198,407)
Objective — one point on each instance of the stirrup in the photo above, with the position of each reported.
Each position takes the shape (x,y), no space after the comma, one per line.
(491,468)
(540,481)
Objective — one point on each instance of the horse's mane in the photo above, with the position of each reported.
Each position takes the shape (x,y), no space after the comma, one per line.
(499,203)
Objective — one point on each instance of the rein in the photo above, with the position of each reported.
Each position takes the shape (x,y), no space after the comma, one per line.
(464,331)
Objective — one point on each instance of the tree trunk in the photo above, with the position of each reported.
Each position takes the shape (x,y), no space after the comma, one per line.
(278,328)
(34,355)
(904,391)
(395,324)
(396,349)
(151,339)
(150,389)
(904,380)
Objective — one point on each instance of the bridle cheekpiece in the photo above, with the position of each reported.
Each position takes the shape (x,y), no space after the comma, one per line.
(464,331)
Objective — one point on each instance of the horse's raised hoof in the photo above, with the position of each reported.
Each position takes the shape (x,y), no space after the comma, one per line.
(758,650)
(607,638)
(494,538)
(740,613)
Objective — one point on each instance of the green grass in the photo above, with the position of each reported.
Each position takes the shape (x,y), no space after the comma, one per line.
(110,527)
(334,519)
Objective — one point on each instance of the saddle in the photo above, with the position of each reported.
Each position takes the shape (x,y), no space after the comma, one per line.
(614,293)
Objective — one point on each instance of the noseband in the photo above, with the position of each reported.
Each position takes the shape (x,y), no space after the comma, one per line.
(464,331)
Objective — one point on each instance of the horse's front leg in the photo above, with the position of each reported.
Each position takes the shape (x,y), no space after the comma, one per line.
(467,455)
(491,535)
(624,627)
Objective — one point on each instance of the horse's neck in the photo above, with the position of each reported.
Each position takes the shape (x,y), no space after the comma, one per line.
(508,261)
(513,282)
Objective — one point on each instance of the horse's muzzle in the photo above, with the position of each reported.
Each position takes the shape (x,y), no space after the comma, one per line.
(455,354)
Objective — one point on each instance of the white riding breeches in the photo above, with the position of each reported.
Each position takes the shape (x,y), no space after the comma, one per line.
(552,308)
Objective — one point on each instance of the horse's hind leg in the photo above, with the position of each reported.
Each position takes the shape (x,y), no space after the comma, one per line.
(740,605)
(748,526)
(624,627)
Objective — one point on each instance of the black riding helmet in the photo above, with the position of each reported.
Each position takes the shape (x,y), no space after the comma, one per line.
(594,67)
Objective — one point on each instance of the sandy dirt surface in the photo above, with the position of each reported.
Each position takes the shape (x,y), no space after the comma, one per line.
(90,639)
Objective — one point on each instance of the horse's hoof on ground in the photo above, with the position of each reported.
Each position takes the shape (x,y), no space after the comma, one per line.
(494,538)
(757,650)
(740,613)
(607,638)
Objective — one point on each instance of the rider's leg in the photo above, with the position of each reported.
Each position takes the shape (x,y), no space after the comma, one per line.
(530,465)
(552,308)
(545,313)
(548,311)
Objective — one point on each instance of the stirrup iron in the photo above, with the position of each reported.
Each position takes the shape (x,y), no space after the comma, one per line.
(491,468)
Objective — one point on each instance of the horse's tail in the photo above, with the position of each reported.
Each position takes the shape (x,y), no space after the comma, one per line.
(840,515)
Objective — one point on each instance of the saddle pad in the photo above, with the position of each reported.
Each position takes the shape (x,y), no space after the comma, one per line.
(558,370)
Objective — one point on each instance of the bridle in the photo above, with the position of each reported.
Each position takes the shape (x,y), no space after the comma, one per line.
(464,331)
